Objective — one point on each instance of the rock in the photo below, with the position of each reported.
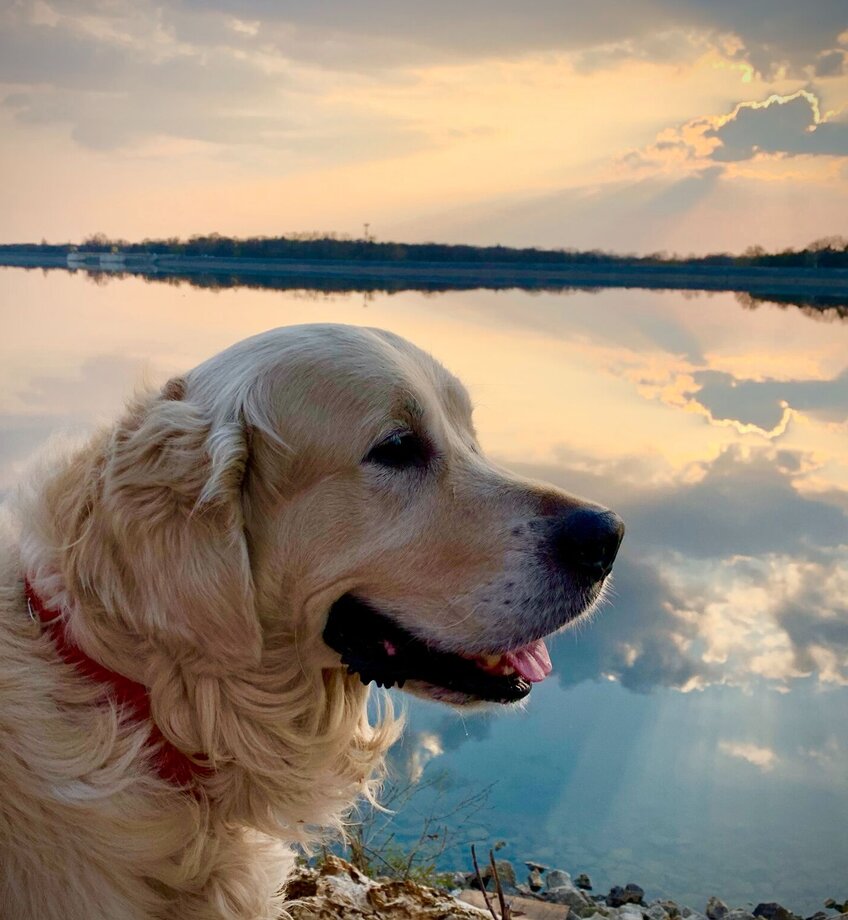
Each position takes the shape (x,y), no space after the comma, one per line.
(716,909)
(539,867)
(302,883)
(406,900)
(576,900)
(338,891)
(819,915)
(656,912)
(630,894)
(671,908)
(616,897)
(738,914)
(583,882)
(558,878)
(506,874)
(534,880)
(688,914)
(771,910)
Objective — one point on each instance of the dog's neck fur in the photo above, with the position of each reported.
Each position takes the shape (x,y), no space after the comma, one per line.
(289,750)
(170,763)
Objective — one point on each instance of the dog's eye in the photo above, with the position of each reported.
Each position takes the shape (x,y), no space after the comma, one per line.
(399,450)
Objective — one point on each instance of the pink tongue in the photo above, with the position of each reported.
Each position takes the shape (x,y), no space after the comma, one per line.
(531,661)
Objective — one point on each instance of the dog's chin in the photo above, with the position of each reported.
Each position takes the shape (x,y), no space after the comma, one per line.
(373,646)
(457,698)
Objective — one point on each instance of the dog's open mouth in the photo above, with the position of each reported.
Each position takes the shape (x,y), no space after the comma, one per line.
(374,647)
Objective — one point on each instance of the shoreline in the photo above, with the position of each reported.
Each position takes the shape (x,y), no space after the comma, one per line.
(362,274)
(331,887)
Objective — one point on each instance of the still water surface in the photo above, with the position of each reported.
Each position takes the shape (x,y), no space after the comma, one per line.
(694,735)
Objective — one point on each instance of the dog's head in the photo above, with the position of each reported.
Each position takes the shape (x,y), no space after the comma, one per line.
(328,487)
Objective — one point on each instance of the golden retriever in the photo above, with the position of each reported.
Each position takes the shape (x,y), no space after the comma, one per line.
(193,604)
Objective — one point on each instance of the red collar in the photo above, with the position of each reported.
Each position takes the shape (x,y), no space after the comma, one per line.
(169,762)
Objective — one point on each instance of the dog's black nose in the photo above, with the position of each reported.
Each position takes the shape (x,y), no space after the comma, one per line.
(587,540)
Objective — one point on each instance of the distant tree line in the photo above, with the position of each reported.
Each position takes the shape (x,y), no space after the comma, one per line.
(828,252)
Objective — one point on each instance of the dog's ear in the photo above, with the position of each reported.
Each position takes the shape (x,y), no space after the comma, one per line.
(172,490)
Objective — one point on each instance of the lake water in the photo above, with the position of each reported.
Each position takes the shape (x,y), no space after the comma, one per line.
(694,735)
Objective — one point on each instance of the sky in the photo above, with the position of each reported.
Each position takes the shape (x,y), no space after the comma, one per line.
(677,125)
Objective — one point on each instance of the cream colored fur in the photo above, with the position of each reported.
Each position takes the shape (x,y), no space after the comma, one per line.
(196,546)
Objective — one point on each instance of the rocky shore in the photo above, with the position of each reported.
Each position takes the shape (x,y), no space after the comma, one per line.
(336,889)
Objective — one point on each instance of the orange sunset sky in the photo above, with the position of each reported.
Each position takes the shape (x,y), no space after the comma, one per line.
(683,125)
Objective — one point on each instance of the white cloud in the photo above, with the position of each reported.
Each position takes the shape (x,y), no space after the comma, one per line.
(424,747)
(763,758)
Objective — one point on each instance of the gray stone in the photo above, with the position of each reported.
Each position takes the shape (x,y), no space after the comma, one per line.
(616,897)
(716,909)
(592,910)
(534,880)
(558,878)
(738,914)
(576,900)
(656,912)
(671,908)
(583,882)
(506,874)
(630,894)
